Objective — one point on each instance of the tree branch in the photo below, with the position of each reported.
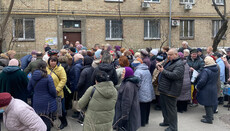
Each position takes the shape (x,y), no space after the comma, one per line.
(217,9)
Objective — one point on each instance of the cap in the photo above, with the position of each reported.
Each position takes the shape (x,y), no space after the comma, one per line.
(5,99)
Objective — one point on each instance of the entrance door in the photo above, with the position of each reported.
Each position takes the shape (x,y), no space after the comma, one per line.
(72,37)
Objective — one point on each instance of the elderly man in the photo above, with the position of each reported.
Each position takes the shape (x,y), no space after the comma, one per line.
(170,85)
(184,46)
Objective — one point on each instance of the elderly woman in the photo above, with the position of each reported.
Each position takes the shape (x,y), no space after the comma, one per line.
(100,101)
(207,88)
(58,74)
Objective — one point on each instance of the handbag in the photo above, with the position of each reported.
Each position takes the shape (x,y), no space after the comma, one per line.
(59,106)
(75,106)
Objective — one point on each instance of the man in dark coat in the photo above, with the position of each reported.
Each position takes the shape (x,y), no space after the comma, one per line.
(170,85)
(184,46)
(14,81)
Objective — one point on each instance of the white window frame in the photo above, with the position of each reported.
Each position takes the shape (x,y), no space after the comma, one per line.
(185,2)
(148,32)
(110,31)
(152,1)
(214,29)
(219,3)
(24,32)
(190,36)
(113,0)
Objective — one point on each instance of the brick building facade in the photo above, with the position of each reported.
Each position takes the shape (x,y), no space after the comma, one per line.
(132,24)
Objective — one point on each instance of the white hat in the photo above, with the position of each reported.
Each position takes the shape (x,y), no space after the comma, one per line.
(154,51)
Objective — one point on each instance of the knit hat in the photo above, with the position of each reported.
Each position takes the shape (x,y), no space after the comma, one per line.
(77,57)
(47,48)
(13,62)
(5,99)
(193,51)
(199,49)
(159,58)
(34,52)
(128,72)
(117,48)
(154,51)
(131,51)
(98,54)
(209,60)
(181,55)
(72,49)
(144,52)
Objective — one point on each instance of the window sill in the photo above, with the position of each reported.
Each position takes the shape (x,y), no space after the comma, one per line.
(24,40)
(152,2)
(186,38)
(186,3)
(152,39)
(121,1)
(218,4)
(114,39)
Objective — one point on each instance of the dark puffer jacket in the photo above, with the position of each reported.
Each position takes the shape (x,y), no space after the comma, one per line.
(25,61)
(127,106)
(197,64)
(44,93)
(171,79)
(85,78)
(207,86)
(109,69)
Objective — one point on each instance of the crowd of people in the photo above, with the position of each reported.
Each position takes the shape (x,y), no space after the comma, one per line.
(110,87)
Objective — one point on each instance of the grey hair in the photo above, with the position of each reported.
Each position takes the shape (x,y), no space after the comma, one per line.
(174,50)
(186,50)
(106,58)
(185,42)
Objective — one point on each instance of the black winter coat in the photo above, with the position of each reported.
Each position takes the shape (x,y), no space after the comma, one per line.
(127,106)
(171,79)
(207,86)
(109,69)
(197,64)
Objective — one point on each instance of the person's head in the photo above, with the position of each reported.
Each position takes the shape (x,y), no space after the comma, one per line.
(222,52)
(122,50)
(68,59)
(209,61)
(108,47)
(136,62)
(209,50)
(84,52)
(128,72)
(63,52)
(47,49)
(117,48)
(53,52)
(97,54)
(11,54)
(53,61)
(172,54)
(184,44)
(101,76)
(77,43)
(199,50)
(88,60)
(123,61)
(106,58)
(96,46)
(67,42)
(71,45)
(78,57)
(5,99)
(78,47)
(228,52)
(39,54)
(137,55)
(186,52)
(159,58)
(72,50)
(42,67)
(13,62)
(194,53)
(34,53)
(165,49)
(153,52)
(144,53)
(90,53)
(217,55)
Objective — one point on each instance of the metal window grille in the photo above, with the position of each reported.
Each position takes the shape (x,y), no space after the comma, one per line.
(114,29)
(152,29)
(23,29)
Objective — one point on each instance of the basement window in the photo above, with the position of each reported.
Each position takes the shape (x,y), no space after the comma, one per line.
(23,29)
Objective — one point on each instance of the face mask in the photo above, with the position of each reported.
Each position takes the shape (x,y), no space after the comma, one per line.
(1,111)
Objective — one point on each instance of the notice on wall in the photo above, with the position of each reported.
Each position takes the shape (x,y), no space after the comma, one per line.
(51,40)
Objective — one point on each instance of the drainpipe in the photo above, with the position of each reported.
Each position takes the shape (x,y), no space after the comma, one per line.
(170,21)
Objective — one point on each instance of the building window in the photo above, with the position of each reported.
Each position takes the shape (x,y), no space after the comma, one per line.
(216,25)
(187,29)
(114,29)
(152,29)
(219,2)
(23,29)
(71,24)
(187,1)
(154,1)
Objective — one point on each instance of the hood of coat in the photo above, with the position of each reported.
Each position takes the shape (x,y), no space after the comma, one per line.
(142,67)
(106,89)
(11,69)
(37,75)
(133,79)
(105,67)
(213,68)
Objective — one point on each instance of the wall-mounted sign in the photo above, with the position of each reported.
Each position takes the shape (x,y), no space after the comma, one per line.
(51,40)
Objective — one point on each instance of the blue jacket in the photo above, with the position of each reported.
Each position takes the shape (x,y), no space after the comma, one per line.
(207,86)
(146,92)
(25,60)
(44,93)
(220,62)
(74,75)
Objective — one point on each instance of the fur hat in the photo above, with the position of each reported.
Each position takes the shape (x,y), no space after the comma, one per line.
(13,62)
(5,99)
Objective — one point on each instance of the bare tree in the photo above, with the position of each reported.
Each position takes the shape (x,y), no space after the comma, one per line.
(221,32)
(4,23)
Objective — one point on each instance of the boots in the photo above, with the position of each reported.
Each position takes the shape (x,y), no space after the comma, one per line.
(63,122)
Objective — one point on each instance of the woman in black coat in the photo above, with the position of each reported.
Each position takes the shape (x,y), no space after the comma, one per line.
(127,107)
(207,88)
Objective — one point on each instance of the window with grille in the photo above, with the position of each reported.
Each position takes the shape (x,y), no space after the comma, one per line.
(113,29)
(187,29)
(216,25)
(187,1)
(23,29)
(156,1)
(151,29)
(219,2)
